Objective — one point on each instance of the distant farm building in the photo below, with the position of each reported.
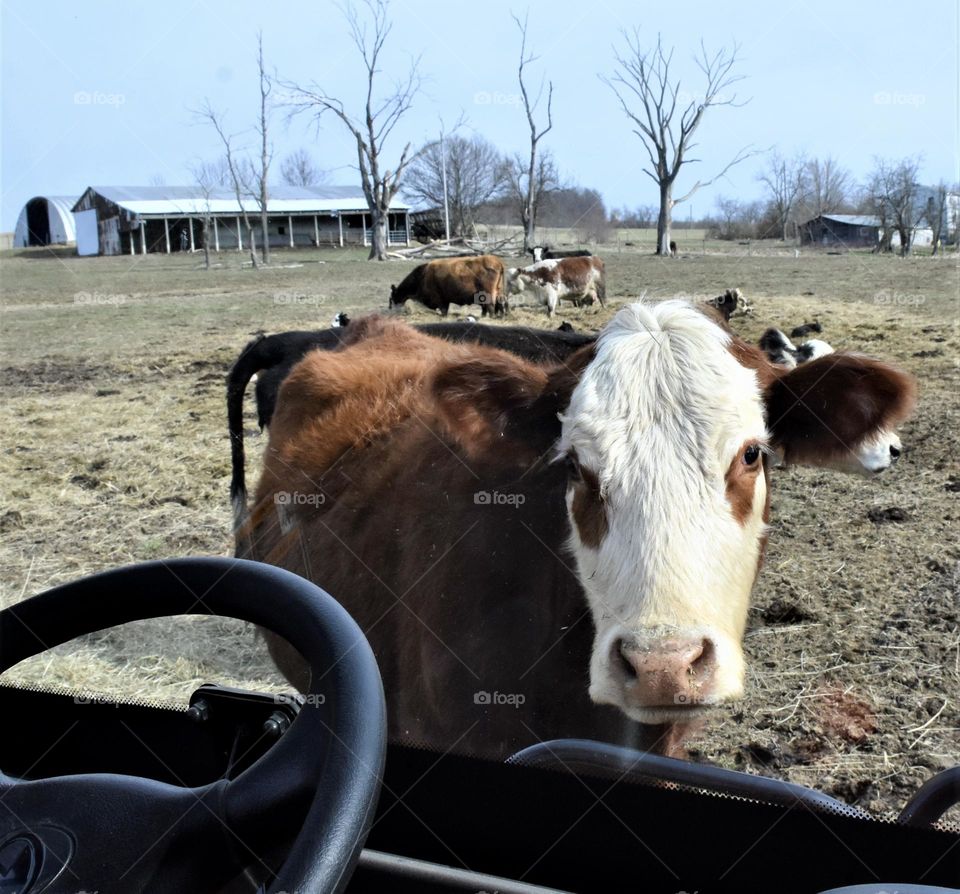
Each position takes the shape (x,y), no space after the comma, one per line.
(854,231)
(46,220)
(112,220)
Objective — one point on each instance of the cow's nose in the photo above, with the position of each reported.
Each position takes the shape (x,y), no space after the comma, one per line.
(667,673)
(894,452)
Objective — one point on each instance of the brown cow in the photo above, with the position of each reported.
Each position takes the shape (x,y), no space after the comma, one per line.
(542,551)
(438,284)
(577,279)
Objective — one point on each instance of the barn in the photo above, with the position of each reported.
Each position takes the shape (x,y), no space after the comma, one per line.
(112,220)
(849,230)
(45,220)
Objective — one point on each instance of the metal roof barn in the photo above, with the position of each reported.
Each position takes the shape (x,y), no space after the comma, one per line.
(136,219)
(46,220)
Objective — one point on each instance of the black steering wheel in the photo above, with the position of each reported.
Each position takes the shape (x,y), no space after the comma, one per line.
(322,777)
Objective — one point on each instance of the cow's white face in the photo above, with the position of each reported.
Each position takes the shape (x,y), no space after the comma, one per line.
(667,498)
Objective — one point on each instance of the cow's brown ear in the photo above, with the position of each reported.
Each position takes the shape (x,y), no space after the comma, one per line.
(501,403)
(829,412)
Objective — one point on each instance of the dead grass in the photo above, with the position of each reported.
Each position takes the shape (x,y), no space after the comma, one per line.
(115,451)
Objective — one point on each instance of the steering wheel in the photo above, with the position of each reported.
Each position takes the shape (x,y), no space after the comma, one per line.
(122,833)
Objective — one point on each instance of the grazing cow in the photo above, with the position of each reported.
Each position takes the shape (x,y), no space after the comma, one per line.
(729,303)
(445,281)
(539,550)
(576,279)
(780,350)
(340,319)
(269,360)
(546,253)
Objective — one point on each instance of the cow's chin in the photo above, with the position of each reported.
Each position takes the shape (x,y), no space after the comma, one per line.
(666,714)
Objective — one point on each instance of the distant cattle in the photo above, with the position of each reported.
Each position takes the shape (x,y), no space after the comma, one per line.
(580,280)
(550,550)
(730,303)
(445,281)
(673,249)
(780,350)
(546,253)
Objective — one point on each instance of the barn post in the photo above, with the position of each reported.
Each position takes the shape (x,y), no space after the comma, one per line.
(216,237)
(166,234)
(143,236)
(239,237)
(316,231)
(363,224)
(190,223)
(340,222)
(290,222)
(406,223)
(132,241)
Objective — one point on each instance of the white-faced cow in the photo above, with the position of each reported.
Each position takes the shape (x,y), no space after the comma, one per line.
(445,281)
(580,280)
(780,350)
(541,551)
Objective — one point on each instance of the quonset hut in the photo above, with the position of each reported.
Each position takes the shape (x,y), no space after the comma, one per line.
(46,220)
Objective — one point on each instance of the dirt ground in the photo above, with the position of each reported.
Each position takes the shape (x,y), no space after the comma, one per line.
(115,450)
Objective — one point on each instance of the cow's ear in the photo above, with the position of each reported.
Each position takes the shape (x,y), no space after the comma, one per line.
(839,411)
(501,403)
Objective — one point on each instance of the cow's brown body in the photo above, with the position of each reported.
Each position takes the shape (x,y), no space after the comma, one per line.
(445,281)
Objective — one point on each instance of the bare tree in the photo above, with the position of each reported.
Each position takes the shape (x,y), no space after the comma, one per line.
(665,119)
(208,176)
(529,192)
(379,117)
(476,174)
(299,169)
(237,172)
(528,176)
(826,187)
(262,172)
(248,180)
(936,214)
(783,179)
(892,196)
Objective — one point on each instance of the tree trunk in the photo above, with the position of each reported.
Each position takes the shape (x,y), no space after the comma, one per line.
(904,241)
(253,246)
(665,219)
(378,235)
(204,235)
(266,235)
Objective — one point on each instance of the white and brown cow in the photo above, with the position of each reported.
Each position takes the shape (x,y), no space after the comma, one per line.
(580,280)
(551,550)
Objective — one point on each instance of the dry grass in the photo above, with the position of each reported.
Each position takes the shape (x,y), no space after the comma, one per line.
(115,451)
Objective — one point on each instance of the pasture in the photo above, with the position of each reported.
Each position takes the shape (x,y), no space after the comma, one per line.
(115,450)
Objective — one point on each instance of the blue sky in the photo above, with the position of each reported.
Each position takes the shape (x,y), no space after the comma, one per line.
(101,93)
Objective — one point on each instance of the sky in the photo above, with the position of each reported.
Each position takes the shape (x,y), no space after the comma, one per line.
(102,93)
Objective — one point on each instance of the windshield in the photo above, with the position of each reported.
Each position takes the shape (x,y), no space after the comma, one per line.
(543,536)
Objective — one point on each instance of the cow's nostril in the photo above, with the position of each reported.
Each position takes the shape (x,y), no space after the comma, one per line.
(895,451)
(702,661)
(621,658)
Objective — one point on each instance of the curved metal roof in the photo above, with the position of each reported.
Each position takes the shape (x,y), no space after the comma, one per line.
(60,209)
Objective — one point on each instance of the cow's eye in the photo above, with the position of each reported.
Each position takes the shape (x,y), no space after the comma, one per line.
(573,467)
(751,455)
